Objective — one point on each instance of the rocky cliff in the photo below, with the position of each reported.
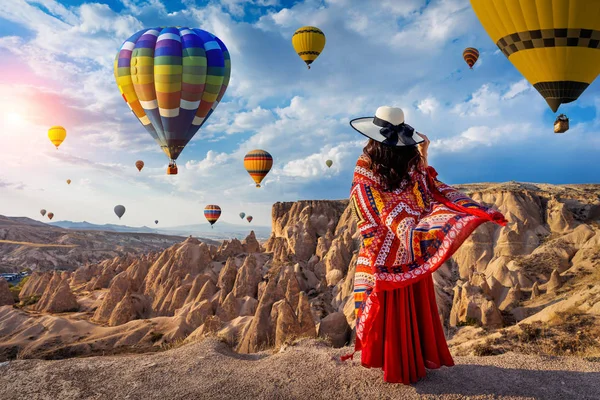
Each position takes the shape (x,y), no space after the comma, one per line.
(541,271)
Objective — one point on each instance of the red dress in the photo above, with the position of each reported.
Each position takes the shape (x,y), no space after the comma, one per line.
(407,234)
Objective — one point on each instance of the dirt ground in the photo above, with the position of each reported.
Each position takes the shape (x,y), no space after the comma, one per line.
(308,370)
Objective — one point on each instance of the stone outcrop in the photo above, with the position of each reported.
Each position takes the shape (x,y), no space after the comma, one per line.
(6,297)
(57,296)
(247,279)
(250,244)
(229,248)
(335,328)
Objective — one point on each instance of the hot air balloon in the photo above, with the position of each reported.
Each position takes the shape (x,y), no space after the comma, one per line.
(156,222)
(329,163)
(554,44)
(57,135)
(68,181)
(139,164)
(119,210)
(308,42)
(172,79)
(471,55)
(50,215)
(242,215)
(212,213)
(43,212)
(258,163)
(249,218)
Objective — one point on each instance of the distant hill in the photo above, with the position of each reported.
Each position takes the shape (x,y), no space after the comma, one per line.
(87,226)
(221,230)
(27,243)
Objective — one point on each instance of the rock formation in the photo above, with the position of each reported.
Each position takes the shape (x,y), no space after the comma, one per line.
(6,297)
(57,296)
(300,282)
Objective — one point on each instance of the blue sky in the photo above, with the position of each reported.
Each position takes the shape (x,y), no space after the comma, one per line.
(486,124)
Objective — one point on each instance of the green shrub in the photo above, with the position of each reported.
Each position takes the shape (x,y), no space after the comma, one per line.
(156,336)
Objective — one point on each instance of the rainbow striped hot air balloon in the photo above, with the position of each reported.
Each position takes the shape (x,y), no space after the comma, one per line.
(212,213)
(172,79)
(258,163)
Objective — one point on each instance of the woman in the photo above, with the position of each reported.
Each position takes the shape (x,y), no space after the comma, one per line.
(410,223)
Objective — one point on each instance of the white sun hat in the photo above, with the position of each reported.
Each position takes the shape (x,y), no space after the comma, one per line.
(387,127)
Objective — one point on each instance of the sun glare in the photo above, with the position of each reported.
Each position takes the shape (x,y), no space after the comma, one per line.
(13,119)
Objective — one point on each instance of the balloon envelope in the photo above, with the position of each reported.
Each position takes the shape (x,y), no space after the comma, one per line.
(212,213)
(242,215)
(119,210)
(258,163)
(329,163)
(172,78)
(57,135)
(471,55)
(43,212)
(68,181)
(50,215)
(249,218)
(139,164)
(156,222)
(308,42)
(554,44)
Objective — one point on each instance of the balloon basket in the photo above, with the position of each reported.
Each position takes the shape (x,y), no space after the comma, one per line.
(172,170)
(258,185)
(561,125)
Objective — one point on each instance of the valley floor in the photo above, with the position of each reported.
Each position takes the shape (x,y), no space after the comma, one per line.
(308,370)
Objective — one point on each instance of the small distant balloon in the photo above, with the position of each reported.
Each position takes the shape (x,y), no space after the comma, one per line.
(139,164)
(43,212)
(308,42)
(471,55)
(57,135)
(156,222)
(242,215)
(50,215)
(249,218)
(212,213)
(119,210)
(258,163)
(68,181)
(329,163)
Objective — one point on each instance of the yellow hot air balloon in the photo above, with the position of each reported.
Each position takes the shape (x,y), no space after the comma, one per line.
(258,163)
(68,181)
(554,44)
(57,135)
(308,42)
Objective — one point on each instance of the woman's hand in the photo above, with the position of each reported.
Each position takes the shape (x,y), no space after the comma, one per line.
(423,146)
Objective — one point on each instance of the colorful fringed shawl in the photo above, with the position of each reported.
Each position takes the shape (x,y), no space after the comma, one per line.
(407,233)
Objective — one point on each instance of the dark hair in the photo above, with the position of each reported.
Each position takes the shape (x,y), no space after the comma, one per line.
(391,163)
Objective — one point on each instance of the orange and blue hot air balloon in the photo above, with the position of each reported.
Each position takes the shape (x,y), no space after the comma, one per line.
(172,78)
(258,163)
(471,55)
(212,213)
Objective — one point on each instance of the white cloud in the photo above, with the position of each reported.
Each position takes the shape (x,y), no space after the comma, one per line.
(212,159)
(428,105)
(314,164)
(516,89)
(484,102)
(477,136)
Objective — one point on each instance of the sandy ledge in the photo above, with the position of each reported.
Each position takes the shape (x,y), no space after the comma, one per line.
(309,370)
